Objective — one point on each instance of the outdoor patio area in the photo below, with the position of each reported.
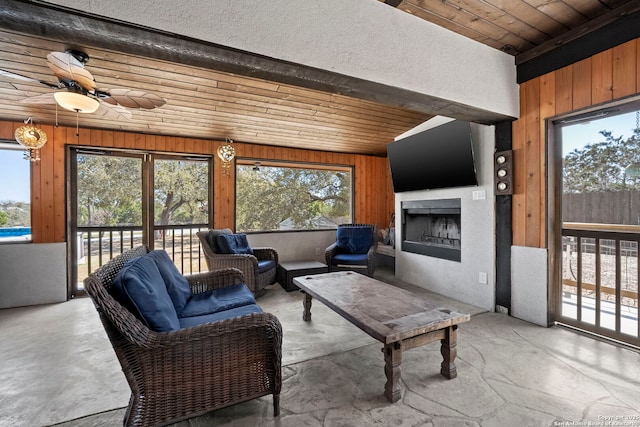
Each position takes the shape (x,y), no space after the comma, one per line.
(59,369)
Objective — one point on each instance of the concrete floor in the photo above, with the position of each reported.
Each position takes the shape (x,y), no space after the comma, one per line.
(57,367)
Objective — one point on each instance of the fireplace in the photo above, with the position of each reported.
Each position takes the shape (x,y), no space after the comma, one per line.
(432,228)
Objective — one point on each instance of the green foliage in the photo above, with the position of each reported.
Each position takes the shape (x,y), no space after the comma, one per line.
(15,214)
(181,195)
(4,218)
(110,191)
(271,195)
(609,165)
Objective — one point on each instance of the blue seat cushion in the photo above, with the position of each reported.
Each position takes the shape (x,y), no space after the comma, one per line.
(266,265)
(354,240)
(234,244)
(187,322)
(139,287)
(217,300)
(349,259)
(177,286)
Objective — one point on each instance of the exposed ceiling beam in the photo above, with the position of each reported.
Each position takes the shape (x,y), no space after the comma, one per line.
(394,3)
(583,30)
(53,22)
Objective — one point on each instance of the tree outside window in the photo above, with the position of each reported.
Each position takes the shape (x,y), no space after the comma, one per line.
(601,171)
(292,197)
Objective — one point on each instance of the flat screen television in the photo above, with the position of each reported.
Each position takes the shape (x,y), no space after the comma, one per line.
(440,157)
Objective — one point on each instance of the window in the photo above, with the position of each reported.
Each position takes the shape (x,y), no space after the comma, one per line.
(181,194)
(278,197)
(126,198)
(597,156)
(15,194)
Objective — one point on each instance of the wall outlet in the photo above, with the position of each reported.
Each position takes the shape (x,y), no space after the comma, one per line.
(479,195)
(318,251)
(482,277)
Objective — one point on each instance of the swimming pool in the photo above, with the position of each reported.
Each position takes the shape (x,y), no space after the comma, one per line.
(14,231)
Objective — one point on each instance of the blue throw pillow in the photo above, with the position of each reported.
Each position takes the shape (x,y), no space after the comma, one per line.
(177,286)
(213,234)
(234,244)
(139,286)
(354,240)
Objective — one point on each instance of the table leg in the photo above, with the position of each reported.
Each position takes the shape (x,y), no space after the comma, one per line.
(392,360)
(449,352)
(306,314)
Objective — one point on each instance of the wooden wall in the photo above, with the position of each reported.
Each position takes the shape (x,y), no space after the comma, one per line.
(606,76)
(374,199)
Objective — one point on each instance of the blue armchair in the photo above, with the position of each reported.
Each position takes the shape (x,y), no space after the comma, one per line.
(223,249)
(187,345)
(354,249)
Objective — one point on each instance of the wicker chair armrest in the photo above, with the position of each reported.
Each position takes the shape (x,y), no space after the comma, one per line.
(246,263)
(208,280)
(330,252)
(371,253)
(224,260)
(264,253)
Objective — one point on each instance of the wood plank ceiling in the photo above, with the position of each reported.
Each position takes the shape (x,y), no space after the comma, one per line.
(516,26)
(208,103)
(204,103)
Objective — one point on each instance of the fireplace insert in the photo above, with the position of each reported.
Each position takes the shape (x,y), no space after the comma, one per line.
(432,228)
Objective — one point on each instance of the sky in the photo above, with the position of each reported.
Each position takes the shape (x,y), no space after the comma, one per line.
(14,176)
(579,135)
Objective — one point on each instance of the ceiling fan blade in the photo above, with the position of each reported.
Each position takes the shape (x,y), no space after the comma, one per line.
(112,112)
(25,78)
(66,67)
(43,98)
(134,98)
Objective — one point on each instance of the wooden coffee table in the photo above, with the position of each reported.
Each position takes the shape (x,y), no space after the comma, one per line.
(399,319)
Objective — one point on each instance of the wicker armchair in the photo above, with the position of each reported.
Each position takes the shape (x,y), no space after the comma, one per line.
(363,264)
(256,277)
(185,373)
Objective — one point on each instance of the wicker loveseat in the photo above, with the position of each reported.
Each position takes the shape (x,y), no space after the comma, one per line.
(193,370)
(354,249)
(258,267)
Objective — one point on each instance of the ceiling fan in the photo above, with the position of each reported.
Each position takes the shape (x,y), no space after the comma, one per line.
(76,89)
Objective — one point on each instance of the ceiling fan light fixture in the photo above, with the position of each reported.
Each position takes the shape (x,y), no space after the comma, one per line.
(74,101)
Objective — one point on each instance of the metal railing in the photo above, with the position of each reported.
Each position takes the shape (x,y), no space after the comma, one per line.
(600,276)
(97,245)
(182,245)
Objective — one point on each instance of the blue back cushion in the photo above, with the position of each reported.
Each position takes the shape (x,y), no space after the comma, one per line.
(212,236)
(234,244)
(177,286)
(140,288)
(354,240)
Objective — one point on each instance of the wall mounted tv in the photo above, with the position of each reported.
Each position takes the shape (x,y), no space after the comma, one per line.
(440,157)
